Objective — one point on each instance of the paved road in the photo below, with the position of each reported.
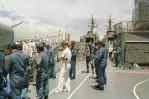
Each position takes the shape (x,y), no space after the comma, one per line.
(142,90)
(120,86)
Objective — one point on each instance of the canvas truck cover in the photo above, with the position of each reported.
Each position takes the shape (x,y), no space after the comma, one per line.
(6,36)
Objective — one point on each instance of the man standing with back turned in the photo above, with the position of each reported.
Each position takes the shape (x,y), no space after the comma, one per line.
(73,61)
(101,64)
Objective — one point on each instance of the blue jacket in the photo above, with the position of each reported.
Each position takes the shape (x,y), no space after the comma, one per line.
(74,54)
(101,57)
(15,67)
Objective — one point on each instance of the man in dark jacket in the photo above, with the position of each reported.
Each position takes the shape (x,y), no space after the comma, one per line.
(15,67)
(42,73)
(73,61)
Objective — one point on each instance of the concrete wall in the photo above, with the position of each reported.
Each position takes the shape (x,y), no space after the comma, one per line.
(136,47)
(137,52)
(141,15)
(137,36)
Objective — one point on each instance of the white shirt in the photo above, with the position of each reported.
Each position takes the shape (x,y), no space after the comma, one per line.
(30,49)
(67,54)
(25,48)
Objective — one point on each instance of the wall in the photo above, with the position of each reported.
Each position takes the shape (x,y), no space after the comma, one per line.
(137,52)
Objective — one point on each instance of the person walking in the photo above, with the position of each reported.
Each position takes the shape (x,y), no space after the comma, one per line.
(64,79)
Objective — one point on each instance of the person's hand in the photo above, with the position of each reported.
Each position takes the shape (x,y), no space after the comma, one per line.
(32,83)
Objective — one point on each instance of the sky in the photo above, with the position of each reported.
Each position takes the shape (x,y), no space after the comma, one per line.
(72,15)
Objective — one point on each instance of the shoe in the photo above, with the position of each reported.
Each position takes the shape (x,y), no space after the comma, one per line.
(66,90)
(73,78)
(98,87)
(53,77)
(46,97)
(101,88)
(105,82)
(95,78)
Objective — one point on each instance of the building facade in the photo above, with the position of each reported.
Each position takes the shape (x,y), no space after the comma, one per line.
(141,15)
(91,35)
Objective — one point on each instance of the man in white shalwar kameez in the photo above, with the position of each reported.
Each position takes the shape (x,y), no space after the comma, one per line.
(25,48)
(64,80)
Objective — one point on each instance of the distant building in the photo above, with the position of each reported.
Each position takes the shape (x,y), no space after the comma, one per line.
(133,36)
(110,36)
(64,36)
(91,35)
(141,15)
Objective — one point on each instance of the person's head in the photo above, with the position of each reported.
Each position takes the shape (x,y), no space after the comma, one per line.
(65,44)
(40,48)
(10,47)
(19,46)
(99,44)
(47,46)
(103,44)
(43,44)
(13,46)
(73,44)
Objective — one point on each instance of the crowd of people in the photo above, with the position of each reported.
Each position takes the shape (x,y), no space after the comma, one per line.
(33,63)
(27,63)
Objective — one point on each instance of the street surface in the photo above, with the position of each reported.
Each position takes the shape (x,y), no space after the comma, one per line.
(121,85)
